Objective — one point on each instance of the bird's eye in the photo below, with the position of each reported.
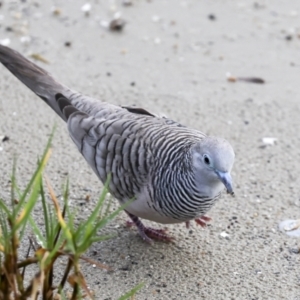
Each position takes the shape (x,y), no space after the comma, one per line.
(206,159)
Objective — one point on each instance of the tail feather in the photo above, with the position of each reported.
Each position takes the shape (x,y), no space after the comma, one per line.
(34,77)
(65,106)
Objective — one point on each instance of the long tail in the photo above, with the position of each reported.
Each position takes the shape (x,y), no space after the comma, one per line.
(35,78)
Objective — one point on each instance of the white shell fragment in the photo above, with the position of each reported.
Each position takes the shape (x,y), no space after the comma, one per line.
(269,140)
(224,234)
(25,39)
(117,15)
(290,227)
(230,78)
(55,10)
(86,8)
(5,42)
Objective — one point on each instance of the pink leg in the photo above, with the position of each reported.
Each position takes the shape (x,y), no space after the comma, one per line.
(202,221)
(148,234)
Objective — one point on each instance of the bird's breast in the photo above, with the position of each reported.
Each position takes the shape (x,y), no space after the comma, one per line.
(143,207)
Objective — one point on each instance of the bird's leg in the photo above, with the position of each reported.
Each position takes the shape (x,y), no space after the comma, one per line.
(148,234)
(202,220)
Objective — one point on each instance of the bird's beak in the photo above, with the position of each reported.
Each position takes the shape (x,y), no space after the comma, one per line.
(225,177)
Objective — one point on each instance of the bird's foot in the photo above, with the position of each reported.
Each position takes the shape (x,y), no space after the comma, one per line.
(202,221)
(149,234)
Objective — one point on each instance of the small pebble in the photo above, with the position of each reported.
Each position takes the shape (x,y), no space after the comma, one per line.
(117,24)
(269,140)
(127,2)
(224,234)
(5,42)
(86,8)
(25,39)
(290,227)
(56,11)
(4,138)
(289,37)
(230,78)
(212,17)
(294,250)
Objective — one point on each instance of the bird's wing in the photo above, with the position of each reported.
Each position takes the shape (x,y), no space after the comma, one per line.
(111,146)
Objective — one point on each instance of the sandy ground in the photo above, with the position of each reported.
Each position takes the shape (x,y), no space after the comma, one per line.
(172,58)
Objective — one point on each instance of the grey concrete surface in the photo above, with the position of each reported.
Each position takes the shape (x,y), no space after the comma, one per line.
(172,58)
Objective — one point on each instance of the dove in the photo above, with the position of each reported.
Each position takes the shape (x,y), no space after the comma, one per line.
(173,173)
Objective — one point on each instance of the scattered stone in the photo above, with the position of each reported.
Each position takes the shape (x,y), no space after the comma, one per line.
(127,267)
(269,140)
(5,42)
(4,138)
(224,234)
(86,8)
(212,17)
(117,24)
(230,78)
(289,37)
(56,11)
(25,39)
(294,250)
(290,227)
(127,2)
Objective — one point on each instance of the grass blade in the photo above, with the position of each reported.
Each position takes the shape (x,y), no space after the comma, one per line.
(132,292)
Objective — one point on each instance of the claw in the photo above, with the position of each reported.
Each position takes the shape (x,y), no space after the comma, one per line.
(149,234)
(202,221)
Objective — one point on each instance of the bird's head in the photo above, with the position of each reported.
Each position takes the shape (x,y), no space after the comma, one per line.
(213,160)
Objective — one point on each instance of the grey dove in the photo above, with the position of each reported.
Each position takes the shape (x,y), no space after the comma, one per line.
(174,173)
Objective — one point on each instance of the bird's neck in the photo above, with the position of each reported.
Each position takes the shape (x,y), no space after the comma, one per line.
(207,188)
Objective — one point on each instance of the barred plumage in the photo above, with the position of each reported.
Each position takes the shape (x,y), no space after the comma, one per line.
(174,173)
